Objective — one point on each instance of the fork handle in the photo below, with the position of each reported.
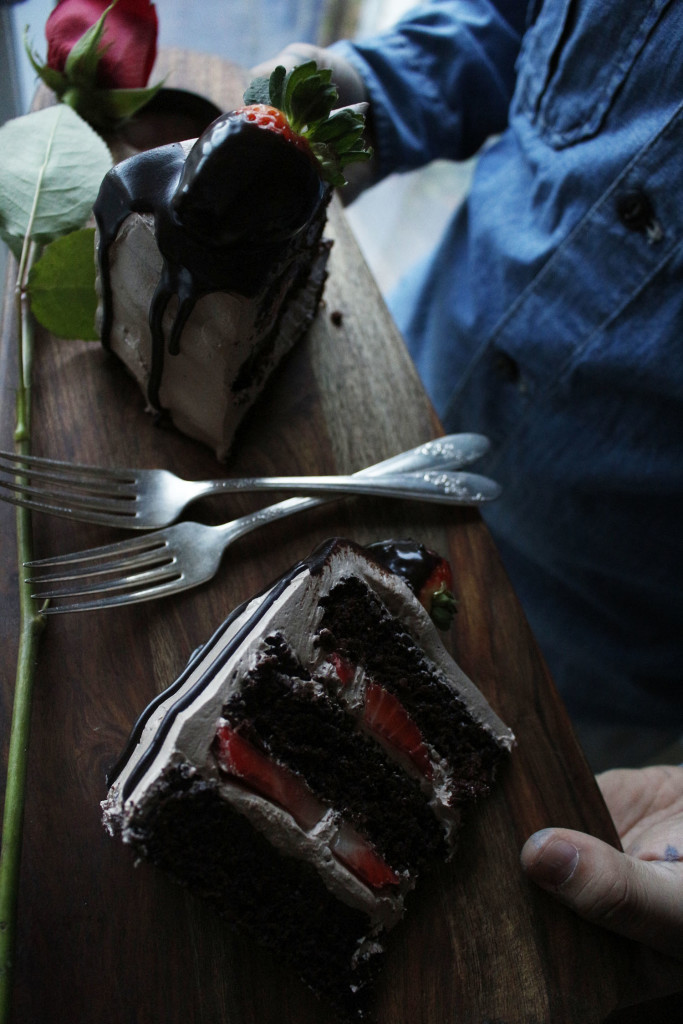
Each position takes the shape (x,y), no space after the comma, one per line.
(425,485)
(451,450)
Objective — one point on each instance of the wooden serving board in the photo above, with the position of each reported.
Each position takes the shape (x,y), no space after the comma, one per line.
(103,940)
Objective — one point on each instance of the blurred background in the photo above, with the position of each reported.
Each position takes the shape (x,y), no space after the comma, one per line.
(396,223)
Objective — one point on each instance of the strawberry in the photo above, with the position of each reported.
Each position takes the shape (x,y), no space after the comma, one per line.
(240,758)
(305,98)
(359,856)
(258,174)
(427,574)
(436,594)
(343,667)
(385,716)
(272,120)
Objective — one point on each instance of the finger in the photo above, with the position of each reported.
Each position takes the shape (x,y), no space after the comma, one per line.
(642,900)
(293,54)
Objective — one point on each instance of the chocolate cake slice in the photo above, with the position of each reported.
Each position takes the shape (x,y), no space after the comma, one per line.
(211,257)
(313,758)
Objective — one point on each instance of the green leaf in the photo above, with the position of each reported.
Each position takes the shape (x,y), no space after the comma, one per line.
(341,125)
(51,170)
(306,95)
(55,80)
(121,104)
(84,56)
(312,102)
(62,286)
(259,90)
(276,84)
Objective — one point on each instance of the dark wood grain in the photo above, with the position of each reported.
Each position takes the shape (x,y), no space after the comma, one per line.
(102,940)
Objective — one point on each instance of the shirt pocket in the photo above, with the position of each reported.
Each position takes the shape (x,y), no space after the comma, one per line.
(576,57)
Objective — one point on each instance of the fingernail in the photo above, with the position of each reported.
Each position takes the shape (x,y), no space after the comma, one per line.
(556,861)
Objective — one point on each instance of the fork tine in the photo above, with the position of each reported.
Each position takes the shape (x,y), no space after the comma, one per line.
(105,587)
(32,463)
(149,560)
(22,493)
(102,519)
(113,600)
(83,478)
(122,554)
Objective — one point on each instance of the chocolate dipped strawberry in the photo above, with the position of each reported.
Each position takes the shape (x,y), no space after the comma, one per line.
(258,173)
(427,573)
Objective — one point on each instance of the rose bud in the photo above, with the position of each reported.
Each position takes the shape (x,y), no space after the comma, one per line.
(128,46)
(100,56)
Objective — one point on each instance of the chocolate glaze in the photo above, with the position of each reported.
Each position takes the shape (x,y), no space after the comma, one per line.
(407,558)
(224,218)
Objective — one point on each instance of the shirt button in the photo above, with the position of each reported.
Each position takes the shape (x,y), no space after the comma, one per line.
(635,210)
(506,367)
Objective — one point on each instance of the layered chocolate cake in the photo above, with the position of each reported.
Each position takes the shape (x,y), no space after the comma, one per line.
(311,760)
(211,256)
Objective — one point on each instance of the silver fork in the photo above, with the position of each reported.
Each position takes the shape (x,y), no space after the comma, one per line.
(144,499)
(168,561)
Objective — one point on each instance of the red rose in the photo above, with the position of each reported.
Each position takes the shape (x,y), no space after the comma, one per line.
(129,43)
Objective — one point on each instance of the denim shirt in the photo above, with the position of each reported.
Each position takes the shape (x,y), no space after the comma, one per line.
(551,316)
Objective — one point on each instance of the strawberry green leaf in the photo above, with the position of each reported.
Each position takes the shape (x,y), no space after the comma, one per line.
(309,96)
(296,78)
(443,608)
(344,127)
(306,96)
(276,87)
(62,286)
(261,89)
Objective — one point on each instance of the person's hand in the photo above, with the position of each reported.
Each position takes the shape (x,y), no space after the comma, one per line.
(351,90)
(349,83)
(637,893)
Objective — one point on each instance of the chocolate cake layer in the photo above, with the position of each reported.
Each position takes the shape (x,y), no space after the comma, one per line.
(302,725)
(280,901)
(356,624)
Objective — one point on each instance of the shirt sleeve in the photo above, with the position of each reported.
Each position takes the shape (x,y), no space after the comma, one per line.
(440,81)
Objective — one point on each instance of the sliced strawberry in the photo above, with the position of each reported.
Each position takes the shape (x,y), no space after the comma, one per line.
(385,715)
(343,667)
(239,758)
(358,856)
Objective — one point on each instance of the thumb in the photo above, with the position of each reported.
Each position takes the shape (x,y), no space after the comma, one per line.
(641,900)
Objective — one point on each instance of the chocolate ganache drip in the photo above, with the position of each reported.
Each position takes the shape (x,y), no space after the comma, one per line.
(407,558)
(224,217)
